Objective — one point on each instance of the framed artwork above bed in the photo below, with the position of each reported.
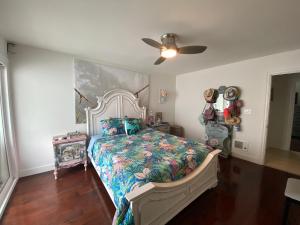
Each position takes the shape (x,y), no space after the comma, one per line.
(94,79)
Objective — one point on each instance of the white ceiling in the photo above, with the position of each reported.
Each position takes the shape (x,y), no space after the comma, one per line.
(110,31)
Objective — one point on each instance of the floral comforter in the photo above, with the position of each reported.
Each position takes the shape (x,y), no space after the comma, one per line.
(127,162)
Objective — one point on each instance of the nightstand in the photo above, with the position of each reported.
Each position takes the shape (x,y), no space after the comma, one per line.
(163,127)
(69,151)
(176,130)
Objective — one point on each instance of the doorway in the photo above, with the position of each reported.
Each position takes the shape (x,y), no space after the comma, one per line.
(295,139)
(283,139)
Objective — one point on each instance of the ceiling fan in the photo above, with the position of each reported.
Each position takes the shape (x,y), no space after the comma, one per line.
(169,49)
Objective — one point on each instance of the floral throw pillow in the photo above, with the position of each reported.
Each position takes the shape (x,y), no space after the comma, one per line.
(132,125)
(112,126)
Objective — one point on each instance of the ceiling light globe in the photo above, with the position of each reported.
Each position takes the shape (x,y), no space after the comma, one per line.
(168,53)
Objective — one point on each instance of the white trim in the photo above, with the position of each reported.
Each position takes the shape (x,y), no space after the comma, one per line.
(36,170)
(290,117)
(9,136)
(245,157)
(265,123)
(7,190)
(9,126)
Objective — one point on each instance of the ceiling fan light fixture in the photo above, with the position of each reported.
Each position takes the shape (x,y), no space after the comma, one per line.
(168,52)
(168,48)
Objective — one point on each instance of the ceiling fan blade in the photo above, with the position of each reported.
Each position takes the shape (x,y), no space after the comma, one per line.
(152,43)
(159,60)
(191,49)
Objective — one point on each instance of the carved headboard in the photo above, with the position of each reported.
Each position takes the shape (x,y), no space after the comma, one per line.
(116,103)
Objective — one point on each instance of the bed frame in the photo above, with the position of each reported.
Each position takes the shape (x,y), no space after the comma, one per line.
(153,203)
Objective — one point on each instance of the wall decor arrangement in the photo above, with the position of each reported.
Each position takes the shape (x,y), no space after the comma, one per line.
(93,79)
(163,94)
(221,116)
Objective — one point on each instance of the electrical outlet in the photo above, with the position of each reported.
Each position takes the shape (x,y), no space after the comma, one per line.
(240,145)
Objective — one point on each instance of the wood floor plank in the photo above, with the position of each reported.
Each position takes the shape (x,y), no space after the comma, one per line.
(247,194)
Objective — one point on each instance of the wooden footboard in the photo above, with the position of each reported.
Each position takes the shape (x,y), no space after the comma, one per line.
(157,203)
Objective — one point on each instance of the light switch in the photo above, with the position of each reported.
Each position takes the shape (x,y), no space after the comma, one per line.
(248,111)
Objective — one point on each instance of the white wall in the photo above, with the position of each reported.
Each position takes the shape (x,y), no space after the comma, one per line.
(4,173)
(282,111)
(298,90)
(252,77)
(3,49)
(168,108)
(2,46)
(44,103)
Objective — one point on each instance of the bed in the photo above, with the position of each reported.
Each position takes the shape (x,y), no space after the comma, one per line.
(138,199)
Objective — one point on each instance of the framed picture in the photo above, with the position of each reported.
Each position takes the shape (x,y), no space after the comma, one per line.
(158,117)
(163,94)
(150,120)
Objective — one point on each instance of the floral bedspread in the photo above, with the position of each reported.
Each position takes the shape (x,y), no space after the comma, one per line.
(127,162)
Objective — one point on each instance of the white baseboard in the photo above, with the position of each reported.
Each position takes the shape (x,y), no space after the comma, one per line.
(246,157)
(36,170)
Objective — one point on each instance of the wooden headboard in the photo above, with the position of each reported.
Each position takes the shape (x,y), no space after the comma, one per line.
(116,103)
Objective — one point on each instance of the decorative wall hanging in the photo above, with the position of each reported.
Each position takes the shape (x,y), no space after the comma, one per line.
(221,115)
(163,94)
(211,95)
(233,111)
(92,79)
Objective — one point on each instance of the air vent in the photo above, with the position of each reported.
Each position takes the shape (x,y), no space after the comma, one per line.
(240,145)
(11,48)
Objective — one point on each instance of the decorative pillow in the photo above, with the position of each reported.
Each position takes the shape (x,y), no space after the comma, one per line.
(132,125)
(112,126)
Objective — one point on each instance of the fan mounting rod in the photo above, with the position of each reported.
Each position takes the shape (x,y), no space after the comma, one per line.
(169,40)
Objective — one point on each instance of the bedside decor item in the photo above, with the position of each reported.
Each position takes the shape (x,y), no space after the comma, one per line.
(158,117)
(150,118)
(163,94)
(163,127)
(69,150)
(176,130)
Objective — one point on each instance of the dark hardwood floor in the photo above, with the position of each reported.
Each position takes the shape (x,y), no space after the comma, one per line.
(247,194)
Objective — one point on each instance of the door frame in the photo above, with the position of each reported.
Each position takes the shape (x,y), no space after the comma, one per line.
(9,135)
(267,108)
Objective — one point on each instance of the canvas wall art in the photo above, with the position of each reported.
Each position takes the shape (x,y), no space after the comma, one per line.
(93,79)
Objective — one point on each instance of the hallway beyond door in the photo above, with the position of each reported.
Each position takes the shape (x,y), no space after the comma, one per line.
(287,161)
